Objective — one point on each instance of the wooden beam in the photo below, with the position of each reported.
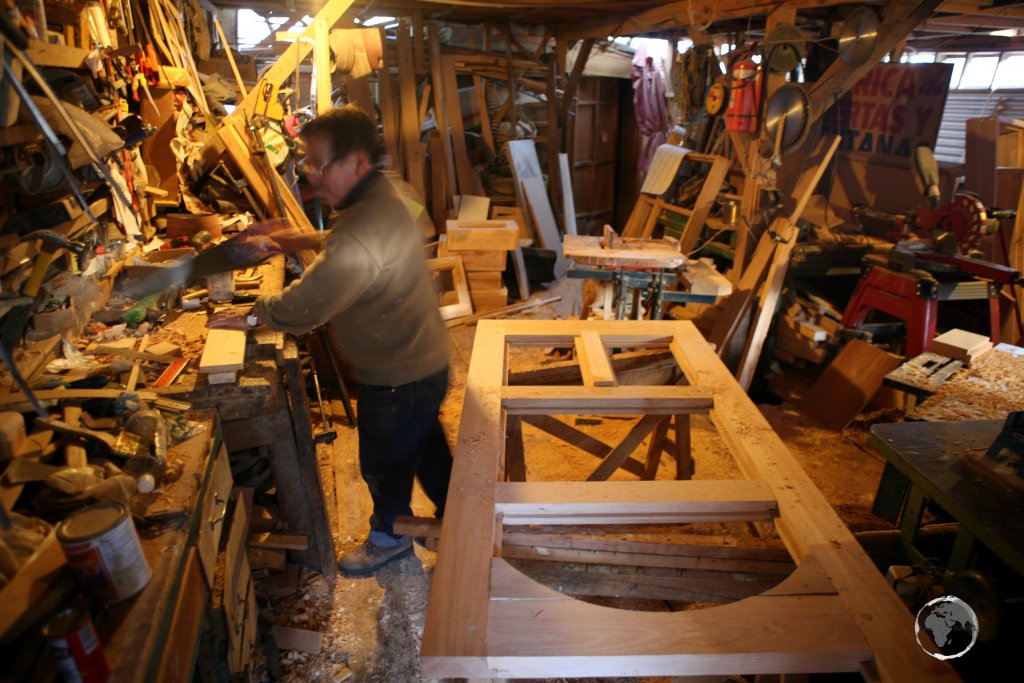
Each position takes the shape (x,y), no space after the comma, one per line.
(788,233)
(629,502)
(535,400)
(411,124)
(594,364)
(469,182)
(569,93)
(441,113)
(282,69)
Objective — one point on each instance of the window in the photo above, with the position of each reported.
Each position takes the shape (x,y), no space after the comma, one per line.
(958,62)
(254,28)
(978,72)
(1010,72)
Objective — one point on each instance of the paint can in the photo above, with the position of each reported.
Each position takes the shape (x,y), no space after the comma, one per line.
(103,549)
(76,647)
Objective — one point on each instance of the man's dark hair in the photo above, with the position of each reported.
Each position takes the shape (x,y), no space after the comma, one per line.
(349,129)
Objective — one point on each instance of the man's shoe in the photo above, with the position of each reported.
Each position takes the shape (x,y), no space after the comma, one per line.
(365,559)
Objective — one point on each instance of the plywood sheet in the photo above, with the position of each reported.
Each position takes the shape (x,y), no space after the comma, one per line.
(848,384)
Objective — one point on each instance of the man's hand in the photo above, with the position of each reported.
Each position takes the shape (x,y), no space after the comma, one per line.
(230,319)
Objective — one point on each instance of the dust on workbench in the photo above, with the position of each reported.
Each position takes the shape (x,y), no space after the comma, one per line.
(373,626)
(990,388)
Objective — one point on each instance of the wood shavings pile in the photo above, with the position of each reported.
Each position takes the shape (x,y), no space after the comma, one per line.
(992,387)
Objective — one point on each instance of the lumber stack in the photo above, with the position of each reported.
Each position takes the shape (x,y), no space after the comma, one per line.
(807,331)
(483,247)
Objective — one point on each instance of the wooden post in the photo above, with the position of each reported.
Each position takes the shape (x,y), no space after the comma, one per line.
(411,125)
(322,66)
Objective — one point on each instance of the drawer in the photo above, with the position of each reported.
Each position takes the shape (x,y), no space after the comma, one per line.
(212,512)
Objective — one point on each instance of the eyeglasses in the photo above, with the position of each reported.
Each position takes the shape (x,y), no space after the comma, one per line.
(305,166)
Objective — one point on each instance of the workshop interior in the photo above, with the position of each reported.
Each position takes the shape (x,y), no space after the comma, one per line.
(730,293)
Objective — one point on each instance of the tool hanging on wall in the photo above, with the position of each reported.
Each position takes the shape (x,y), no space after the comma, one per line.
(786,121)
(11,53)
(784,47)
(858,36)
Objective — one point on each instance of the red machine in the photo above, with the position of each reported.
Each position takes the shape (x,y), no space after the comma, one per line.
(744,98)
(910,281)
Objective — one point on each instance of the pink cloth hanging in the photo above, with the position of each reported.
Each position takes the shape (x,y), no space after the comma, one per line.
(649,104)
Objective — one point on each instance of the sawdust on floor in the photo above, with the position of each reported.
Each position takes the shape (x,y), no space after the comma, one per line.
(373,626)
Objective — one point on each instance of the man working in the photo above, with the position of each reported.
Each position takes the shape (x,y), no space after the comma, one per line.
(371,284)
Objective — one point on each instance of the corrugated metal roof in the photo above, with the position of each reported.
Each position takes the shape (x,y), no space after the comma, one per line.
(972,104)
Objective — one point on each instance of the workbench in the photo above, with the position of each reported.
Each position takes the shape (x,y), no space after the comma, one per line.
(182,617)
(937,463)
(267,409)
(942,388)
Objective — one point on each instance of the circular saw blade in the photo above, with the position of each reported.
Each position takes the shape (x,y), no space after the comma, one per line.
(788,108)
(859,36)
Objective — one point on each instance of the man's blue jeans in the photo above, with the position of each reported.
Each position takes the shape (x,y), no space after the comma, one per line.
(400,438)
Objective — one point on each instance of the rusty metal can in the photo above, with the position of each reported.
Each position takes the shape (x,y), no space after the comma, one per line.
(103,549)
(76,646)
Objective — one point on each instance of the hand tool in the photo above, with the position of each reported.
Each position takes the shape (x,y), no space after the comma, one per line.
(125,445)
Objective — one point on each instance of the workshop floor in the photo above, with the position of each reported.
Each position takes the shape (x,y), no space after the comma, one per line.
(373,626)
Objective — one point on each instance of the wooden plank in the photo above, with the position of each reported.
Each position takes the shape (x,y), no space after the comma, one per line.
(481,280)
(322,66)
(574,79)
(390,117)
(536,198)
(713,639)
(593,358)
(628,444)
(705,200)
(442,114)
(438,186)
(522,278)
(485,300)
(568,203)
(786,228)
(477,261)
(224,351)
(628,253)
(482,236)
(279,541)
(633,502)
(532,400)
(31,583)
(17,397)
(581,440)
(457,611)
(960,345)
(847,384)
(473,207)
(302,640)
(469,181)
(524,164)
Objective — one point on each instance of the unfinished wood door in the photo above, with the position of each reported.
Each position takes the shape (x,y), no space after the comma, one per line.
(593,157)
(486,618)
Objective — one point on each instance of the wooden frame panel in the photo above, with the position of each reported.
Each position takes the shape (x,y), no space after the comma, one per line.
(453,264)
(486,619)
